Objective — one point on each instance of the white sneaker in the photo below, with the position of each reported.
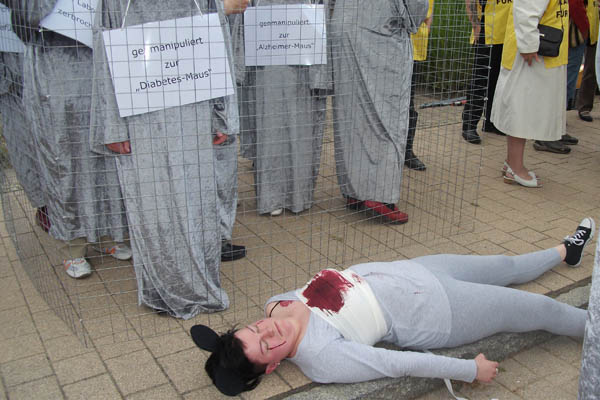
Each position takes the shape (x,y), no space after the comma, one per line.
(277,212)
(119,251)
(77,268)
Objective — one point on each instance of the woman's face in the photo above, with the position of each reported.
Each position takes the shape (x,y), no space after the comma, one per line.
(268,341)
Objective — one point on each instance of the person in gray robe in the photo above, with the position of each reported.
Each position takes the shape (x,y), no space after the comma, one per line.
(372,69)
(167,174)
(282,115)
(17,135)
(80,189)
(225,153)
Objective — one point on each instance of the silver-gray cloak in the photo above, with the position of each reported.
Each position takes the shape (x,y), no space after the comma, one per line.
(282,119)
(18,137)
(80,188)
(168,180)
(589,377)
(372,66)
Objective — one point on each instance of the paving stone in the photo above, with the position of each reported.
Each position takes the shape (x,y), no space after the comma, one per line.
(208,392)
(135,372)
(270,385)
(20,347)
(49,325)
(292,374)
(15,322)
(65,347)
(42,389)
(96,388)
(78,368)
(12,297)
(25,370)
(168,344)
(565,348)
(514,375)
(163,392)
(540,361)
(186,369)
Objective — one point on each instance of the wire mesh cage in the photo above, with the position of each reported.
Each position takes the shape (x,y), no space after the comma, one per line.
(146,142)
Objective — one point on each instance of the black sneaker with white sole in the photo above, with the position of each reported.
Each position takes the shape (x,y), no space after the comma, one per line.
(577,241)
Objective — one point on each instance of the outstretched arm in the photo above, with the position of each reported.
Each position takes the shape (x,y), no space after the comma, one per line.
(343,361)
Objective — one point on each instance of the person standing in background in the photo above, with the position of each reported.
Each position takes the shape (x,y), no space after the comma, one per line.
(578,33)
(587,89)
(372,69)
(488,19)
(531,93)
(419,41)
(282,115)
(80,189)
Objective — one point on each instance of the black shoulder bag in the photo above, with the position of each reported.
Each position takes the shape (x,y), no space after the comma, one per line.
(551,38)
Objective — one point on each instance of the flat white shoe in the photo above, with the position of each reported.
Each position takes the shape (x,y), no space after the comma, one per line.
(277,212)
(531,183)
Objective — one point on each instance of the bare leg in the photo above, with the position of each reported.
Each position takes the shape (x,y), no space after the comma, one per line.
(515,149)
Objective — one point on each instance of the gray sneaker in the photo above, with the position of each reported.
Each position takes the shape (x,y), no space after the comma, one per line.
(77,268)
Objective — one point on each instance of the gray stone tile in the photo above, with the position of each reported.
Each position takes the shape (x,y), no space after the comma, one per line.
(78,368)
(42,389)
(135,372)
(185,369)
(20,347)
(96,388)
(26,369)
(163,392)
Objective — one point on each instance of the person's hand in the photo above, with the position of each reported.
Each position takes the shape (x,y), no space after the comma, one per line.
(476,31)
(235,6)
(428,21)
(219,138)
(529,57)
(486,369)
(120,147)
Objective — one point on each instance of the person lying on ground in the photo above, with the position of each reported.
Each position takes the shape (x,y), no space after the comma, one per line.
(329,326)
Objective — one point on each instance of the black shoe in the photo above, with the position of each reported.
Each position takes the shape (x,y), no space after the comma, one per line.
(491,128)
(585,115)
(553,147)
(471,136)
(231,252)
(568,139)
(577,242)
(412,162)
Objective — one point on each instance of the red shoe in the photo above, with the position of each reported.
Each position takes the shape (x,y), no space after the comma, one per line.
(388,211)
(42,218)
(353,204)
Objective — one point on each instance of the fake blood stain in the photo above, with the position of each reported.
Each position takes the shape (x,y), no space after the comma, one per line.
(326,291)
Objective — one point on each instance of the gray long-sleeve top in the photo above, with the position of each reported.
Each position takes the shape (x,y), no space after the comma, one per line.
(418,316)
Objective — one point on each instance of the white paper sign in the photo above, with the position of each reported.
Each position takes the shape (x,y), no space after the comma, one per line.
(170,63)
(9,41)
(292,34)
(73,19)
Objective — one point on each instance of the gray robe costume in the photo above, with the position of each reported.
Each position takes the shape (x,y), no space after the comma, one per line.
(372,66)
(589,377)
(18,137)
(225,114)
(80,188)
(282,115)
(168,180)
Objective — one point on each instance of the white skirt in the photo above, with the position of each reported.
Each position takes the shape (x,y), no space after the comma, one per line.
(530,101)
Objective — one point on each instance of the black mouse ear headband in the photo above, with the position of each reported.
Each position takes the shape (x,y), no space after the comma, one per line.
(226,380)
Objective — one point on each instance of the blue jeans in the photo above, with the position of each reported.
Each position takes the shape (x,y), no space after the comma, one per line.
(575,59)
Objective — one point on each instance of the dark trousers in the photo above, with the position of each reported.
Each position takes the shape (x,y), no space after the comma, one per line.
(486,68)
(413,115)
(587,89)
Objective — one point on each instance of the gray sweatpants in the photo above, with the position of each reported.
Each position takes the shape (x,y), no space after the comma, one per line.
(481,306)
